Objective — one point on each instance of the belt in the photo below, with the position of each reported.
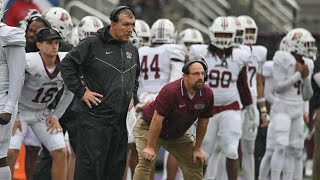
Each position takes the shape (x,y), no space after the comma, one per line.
(3,162)
(233,106)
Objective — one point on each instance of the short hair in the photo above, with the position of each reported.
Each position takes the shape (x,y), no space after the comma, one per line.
(125,11)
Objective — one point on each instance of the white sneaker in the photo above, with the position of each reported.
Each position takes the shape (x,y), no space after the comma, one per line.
(308,168)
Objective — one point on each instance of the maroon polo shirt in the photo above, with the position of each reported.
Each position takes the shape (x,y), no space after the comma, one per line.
(179,110)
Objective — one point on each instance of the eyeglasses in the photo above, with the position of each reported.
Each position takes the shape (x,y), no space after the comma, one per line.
(198,74)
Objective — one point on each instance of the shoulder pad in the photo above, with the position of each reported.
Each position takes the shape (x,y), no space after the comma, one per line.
(260,52)
(33,62)
(267,69)
(62,55)
(197,51)
(177,51)
(240,56)
(12,36)
(283,59)
(245,48)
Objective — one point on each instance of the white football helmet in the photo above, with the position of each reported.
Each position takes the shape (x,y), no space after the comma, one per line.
(143,31)
(31,15)
(88,25)
(163,32)
(251,29)
(191,35)
(301,41)
(60,20)
(223,32)
(135,40)
(239,39)
(283,44)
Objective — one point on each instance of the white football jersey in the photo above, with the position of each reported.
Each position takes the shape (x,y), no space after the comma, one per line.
(267,71)
(283,69)
(156,66)
(196,51)
(40,87)
(223,75)
(257,58)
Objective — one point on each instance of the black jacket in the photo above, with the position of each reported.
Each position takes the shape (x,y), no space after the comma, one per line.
(109,67)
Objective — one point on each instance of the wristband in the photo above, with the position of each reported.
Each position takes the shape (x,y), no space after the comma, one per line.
(260,100)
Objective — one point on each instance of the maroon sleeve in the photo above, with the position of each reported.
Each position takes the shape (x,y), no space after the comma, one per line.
(164,101)
(208,113)
(243,88)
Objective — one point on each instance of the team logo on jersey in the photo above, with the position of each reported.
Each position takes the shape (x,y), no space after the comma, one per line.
(199,106)
(129,55)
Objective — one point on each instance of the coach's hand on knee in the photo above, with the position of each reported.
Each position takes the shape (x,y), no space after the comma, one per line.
(91,97)
(5,118)
(199,154)
(149,154)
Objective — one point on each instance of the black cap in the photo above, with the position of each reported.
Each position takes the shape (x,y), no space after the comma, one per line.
(47,34)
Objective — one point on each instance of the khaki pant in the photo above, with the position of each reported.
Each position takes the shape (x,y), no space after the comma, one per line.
(316,153)
(181,148)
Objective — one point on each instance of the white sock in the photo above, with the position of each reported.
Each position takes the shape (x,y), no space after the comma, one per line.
(5,173)
(179,175)
(288,166)
(277,162)
(211,171)
(265,164)
(298,167)
(247,148)
(221,168)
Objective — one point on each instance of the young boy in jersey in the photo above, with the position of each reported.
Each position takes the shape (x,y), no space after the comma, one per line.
(43,81)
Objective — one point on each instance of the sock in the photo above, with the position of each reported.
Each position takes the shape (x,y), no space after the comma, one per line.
(265,164)
(298,166)
(277,162)
(247,148)
(211,171)
(288,166)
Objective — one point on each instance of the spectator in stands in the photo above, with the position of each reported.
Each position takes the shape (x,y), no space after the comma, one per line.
(18,10)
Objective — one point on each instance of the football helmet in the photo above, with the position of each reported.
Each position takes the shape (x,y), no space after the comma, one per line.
(135,40)
(88,25)
(222,32)
(60,20)
(143,31)
(31,15)
(163,32)
(283,44)
(251,29)
(301,41)
(238,40)
(191,35)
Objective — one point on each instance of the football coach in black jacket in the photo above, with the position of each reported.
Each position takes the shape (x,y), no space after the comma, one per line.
(110,67)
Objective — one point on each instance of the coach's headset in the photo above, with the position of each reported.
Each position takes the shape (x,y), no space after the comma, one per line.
(185,68)
(113,15)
